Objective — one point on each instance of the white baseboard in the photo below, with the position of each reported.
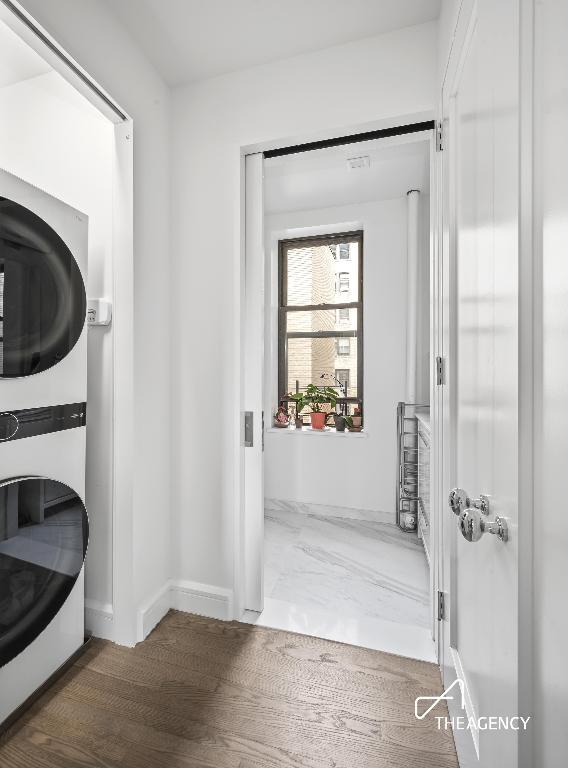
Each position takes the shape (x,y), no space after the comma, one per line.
(462,735)
(187,596)
(99,619)
(152,612)
(325,510)
(202,599)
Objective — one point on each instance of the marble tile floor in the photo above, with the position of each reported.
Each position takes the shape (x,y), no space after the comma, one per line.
(355,581)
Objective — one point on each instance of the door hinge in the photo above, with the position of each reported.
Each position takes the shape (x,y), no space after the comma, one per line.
(441,606)
(439,137)
(440,371)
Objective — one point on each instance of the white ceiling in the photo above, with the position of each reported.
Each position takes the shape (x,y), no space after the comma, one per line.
(17,60)
(322,179)
(190,40)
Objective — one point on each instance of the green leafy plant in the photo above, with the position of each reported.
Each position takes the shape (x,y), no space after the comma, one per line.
(314,398)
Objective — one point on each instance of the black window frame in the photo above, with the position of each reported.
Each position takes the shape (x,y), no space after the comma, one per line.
(283,307)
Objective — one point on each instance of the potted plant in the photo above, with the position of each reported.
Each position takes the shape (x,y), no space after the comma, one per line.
(281,417)
(357,417)
(351,425)
(340,422)
(314,398)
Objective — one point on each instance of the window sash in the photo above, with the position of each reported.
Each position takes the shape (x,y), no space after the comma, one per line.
(283,247)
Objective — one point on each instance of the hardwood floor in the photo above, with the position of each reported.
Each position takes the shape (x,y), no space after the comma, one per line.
(211,694)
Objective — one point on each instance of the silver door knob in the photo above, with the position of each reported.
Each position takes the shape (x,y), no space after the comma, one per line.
(473,525)
(460,500)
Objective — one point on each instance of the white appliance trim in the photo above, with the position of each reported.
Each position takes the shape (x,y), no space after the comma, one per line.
(99,619)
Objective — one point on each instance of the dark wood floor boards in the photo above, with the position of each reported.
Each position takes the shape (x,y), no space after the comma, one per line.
(205,693)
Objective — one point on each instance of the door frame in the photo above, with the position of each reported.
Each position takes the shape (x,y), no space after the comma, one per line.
(240,533)
(529,288)
(116,621)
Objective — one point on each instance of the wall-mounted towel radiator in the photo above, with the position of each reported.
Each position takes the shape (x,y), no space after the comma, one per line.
(407,481)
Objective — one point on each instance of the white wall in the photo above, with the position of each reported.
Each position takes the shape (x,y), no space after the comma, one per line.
(357,472)
(378,78)
(91,33)
(53,138)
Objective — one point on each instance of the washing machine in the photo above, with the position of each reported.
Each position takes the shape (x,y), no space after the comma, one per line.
(43,304)
(43,385)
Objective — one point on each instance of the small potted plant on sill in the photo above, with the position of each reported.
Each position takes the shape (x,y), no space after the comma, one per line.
(357,418)
(314,398)
(352,426)
(340,421)
(281,417)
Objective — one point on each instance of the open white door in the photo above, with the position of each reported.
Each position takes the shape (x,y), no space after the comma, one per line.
(253,372)
(479,638)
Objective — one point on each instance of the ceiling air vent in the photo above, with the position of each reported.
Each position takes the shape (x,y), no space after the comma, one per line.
(354,163)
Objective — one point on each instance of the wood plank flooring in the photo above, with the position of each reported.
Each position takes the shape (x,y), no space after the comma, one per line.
(201,693)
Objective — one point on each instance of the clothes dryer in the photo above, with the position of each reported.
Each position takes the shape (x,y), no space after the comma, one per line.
(43,303)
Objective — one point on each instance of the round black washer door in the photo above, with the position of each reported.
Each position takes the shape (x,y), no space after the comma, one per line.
(44,532)
(42,295)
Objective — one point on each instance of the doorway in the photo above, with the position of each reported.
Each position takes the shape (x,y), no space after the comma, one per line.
(320,506)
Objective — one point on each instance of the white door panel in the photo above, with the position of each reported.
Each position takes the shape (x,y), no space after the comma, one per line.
(481,265)
(253,345)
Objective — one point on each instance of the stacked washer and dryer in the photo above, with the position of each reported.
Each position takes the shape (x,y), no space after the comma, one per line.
(43,392)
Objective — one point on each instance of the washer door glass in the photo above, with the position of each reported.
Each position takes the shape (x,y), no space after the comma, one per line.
(43,541)
(42,295)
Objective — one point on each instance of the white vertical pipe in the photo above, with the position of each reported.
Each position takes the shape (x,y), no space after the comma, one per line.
(413,199)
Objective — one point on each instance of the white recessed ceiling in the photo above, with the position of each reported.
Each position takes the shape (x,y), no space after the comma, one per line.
(17,60)
(190,40)
(323,178)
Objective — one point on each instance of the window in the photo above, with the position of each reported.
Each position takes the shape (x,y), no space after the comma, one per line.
(321,316)
(343,282)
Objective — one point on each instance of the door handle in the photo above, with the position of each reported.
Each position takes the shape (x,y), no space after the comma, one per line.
(473,525)
(248,431)
(459,500)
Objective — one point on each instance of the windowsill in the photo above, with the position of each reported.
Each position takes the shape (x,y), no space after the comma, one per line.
(328,432)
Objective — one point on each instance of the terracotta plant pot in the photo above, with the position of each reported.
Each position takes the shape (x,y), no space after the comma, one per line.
(318,420)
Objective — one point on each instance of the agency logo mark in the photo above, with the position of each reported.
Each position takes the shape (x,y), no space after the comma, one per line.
(434,700)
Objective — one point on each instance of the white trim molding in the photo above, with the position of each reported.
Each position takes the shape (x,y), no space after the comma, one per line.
(470,712)
(202,599)
(186,596)
(325,510)
(152,612)
(99,619)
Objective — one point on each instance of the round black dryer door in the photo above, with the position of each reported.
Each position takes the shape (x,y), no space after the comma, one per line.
(42,295)
(44,532)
